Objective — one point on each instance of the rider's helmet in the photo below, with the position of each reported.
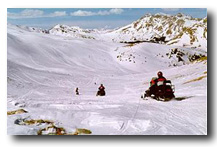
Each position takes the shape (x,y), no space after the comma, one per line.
(160,74)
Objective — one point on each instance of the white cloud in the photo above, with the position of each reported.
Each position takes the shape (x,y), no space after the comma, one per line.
(171,9)
(82,13)
(116,11)
(90,13)
(57,13)
(30,13)
(27,13)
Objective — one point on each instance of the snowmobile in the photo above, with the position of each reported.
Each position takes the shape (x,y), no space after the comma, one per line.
(100,93)
(164,91)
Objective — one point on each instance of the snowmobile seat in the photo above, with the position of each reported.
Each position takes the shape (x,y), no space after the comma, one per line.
(167,81)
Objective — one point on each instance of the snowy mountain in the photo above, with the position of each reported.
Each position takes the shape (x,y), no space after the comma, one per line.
(76,32)
(29,29)
(180,30)
(44,69)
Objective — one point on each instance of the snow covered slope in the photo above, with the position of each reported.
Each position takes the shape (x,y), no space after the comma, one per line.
(44,69)
(30,29)
(178,30)
(76,32)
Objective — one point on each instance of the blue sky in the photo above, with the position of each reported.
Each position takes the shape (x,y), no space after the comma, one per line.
(89,17)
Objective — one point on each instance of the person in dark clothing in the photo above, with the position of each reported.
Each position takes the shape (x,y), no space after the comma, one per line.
(152,87)
(161,77)
(101,90)
(76,91)
(101,87)
(153,83)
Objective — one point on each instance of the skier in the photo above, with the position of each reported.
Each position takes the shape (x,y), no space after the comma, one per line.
(101,90)
(76,91)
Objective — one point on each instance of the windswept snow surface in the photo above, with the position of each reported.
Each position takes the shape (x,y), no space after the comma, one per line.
(44,70)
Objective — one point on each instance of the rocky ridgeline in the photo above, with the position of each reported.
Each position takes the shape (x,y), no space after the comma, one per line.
(76,32)
(180,29)
(182,57)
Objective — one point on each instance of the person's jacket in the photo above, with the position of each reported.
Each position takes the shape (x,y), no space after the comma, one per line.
(101,88)
(161,79)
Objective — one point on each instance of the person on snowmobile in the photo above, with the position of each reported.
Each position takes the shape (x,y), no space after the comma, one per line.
(76,91)
(101,90)
(152,87)
(101,87)
(160,88)
(153,83)
(160,77)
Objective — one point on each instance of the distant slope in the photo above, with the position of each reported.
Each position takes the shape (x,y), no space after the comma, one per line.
(179,30)
(62,52)
(57,53)
(76,32)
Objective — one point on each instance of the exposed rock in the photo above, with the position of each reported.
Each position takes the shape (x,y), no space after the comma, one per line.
(19,111)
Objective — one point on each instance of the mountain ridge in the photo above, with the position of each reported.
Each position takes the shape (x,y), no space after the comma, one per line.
(178,30)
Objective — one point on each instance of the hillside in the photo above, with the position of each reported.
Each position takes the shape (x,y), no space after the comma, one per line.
(45,68)
(179,30)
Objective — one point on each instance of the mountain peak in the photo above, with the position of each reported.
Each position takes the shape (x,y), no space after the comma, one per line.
(179,29)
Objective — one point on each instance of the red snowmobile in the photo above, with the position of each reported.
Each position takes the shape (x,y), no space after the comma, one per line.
(162,91)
